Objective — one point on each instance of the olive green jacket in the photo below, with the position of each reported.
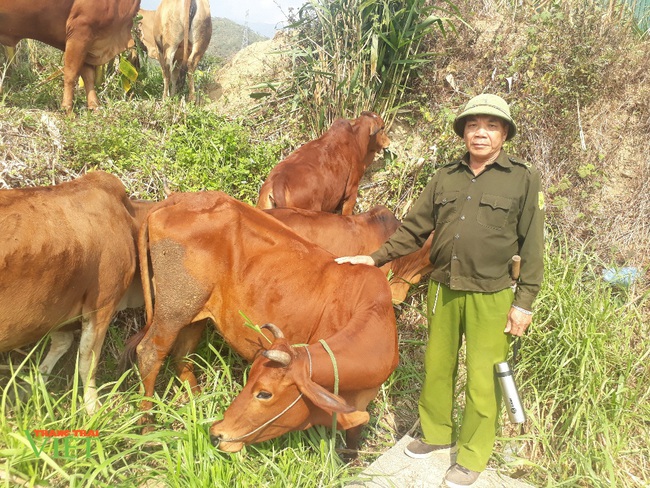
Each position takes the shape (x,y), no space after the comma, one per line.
(480,222)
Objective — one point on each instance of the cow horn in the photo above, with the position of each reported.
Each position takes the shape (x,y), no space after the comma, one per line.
(275,330)
(281,357)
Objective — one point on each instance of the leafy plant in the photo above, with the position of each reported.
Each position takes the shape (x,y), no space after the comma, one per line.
(354,55)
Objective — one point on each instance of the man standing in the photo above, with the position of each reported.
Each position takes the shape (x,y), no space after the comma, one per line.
(484,208)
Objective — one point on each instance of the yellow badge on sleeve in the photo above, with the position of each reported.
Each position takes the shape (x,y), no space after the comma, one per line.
(540,200)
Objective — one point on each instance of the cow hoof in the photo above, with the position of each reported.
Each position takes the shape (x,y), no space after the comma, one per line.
(348,455)
(146,422)
(148,429)
(91,402)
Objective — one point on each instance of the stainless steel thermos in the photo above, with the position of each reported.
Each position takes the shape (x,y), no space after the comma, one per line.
(510,393)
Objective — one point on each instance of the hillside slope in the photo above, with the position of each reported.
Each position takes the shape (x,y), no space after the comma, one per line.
(227,38)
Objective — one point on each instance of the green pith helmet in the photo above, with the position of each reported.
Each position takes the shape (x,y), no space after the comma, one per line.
(486,104)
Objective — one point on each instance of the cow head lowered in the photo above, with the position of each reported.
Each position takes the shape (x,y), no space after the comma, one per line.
(280,396)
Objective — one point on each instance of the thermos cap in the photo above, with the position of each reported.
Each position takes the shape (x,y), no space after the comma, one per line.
(503,367)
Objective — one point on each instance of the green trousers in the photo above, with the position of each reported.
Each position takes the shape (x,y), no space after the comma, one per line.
(481,318)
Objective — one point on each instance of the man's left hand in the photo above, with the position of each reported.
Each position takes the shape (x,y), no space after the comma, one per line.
(517,322)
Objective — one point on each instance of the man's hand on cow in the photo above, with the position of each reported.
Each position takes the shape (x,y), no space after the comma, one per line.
(356,260)
(517,322)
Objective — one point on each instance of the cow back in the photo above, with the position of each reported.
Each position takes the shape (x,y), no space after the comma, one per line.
(342,235)
(215,257)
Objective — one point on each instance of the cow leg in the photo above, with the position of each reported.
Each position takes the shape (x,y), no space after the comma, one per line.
(93,332)
(185,345)
(175,77)
(88,74)
(360,400)
(167,64)
(192,64)
(350,202)
(60,342)
(152,351)
(73,61)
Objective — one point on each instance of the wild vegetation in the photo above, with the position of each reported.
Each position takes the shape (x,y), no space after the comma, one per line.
(575,73)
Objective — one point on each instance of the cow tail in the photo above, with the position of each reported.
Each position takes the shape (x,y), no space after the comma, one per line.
(186,37)
(280,194)
(265,200)
(128,356)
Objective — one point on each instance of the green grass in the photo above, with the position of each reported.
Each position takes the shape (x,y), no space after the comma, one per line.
(178,453)
(585,371)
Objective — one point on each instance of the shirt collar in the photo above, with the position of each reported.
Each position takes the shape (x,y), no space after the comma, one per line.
(502,160)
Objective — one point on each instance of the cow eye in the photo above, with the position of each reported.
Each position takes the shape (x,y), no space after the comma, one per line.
(264,395)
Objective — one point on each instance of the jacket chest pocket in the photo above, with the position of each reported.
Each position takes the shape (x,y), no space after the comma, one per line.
(493,211)
(445,206)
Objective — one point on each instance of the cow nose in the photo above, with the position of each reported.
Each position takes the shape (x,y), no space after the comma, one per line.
(215,439)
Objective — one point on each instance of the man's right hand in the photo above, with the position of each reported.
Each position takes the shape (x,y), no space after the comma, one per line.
(356,260)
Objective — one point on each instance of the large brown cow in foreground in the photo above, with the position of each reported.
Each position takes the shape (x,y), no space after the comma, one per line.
(182,30)
(214,257)
(67,252)
(90,32)
(324,174)
(364,233)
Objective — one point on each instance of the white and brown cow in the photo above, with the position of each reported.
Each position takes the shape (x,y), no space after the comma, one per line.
(182,30)
(67,254)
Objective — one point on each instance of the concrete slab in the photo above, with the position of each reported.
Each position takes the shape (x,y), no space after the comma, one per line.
(394,469)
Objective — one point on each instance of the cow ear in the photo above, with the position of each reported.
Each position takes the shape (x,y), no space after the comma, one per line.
(324,399)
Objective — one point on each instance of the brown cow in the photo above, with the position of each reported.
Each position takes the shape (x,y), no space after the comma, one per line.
(182,32)
(67,252)
(324,174)
(349,235)
(61,339)
(214,257)
(90,32)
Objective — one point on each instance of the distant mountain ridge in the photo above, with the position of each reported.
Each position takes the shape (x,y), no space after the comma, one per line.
(228,38)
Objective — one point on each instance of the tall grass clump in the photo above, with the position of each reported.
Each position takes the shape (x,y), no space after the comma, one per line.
(585,376)
(354,55)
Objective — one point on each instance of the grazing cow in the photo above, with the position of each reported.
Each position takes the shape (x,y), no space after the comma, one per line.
(182,32)
(324,174)
(214,257)
(348,235)
(90,32)
(146,33)
(67,252)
